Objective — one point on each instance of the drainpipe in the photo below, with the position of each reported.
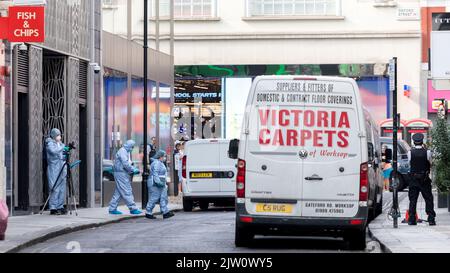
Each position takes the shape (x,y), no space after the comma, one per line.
(91,113)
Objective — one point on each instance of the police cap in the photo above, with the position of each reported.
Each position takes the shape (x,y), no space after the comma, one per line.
(418,138)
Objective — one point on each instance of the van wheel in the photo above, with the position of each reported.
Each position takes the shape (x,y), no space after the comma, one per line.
(356,240)
(204,205)
(187,205)
(243,237)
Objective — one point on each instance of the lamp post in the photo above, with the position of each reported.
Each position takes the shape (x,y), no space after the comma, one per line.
(395,213)
(145,173)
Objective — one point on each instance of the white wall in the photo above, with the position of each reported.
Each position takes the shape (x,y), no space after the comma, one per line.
(364,34)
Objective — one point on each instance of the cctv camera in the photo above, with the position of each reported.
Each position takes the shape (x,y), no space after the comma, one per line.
(23,47)
(97,68)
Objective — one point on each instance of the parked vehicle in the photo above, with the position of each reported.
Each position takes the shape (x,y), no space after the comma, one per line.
(308,160)
(402,158)
(108,171)
(210,175)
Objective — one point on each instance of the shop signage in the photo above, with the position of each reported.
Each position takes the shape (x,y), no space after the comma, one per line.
(207,97)
(392,75)
(441,21)
(435,97)
(440,54)
(24,24)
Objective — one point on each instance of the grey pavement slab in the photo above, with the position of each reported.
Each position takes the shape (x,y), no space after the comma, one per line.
(413,239)
(24,231)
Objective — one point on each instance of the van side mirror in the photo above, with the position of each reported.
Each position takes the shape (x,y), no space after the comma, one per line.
(233,149)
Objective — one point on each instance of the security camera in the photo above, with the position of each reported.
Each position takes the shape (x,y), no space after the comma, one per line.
(96,68)
(23,47)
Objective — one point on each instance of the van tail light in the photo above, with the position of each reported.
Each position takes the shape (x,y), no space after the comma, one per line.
(240,180)
(183,168)
(364,182)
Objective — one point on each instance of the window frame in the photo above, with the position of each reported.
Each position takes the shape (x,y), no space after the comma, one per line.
(181,3)
(248,13)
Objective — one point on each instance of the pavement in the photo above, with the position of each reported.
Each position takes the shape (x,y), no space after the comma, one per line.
(413,239)
(25,231)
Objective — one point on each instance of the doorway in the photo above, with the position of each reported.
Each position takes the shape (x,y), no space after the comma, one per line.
(23,151)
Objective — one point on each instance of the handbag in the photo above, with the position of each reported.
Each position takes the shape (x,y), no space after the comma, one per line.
(4,213)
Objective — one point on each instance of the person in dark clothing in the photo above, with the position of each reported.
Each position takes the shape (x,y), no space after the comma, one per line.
(420,161)
(152,149)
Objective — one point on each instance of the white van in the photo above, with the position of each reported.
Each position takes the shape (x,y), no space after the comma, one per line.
(304,166)
(209,174)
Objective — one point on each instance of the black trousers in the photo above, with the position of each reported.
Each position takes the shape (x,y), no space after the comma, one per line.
(420,184)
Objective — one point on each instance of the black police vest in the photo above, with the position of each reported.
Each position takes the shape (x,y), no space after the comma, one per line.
(419,161)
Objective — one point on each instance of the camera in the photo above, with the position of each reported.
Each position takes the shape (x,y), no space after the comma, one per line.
(96,68)
(69,148)
(72,146)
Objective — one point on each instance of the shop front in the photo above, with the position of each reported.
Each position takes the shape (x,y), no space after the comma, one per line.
(416,126)
(387,129)
(211,99)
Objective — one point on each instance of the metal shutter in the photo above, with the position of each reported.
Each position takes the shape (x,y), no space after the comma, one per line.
(83,82)
(22,69)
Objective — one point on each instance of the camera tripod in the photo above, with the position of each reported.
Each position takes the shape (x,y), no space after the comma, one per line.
(71,193)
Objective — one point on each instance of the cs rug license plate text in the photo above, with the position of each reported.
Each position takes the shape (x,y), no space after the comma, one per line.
(225,263)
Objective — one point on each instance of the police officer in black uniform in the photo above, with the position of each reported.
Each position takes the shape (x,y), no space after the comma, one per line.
(420,182)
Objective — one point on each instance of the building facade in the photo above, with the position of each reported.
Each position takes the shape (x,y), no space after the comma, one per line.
(52,85)
(221,45)
(123,93)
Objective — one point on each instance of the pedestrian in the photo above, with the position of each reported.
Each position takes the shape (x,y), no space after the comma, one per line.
(387,167)
(152,150)
(123,173)
(55,162)
(420,161)
(180,168)
(176,166)
(157,185)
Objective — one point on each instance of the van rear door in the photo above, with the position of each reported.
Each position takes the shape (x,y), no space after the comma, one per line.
(273,166)
(331,167)
(202,163)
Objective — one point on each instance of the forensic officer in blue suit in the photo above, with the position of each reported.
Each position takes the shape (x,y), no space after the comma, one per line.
(157,185)
(123,173)
(55,162)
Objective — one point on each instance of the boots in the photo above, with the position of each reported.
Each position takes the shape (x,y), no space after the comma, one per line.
(431,221)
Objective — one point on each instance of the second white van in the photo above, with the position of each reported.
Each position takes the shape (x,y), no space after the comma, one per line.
(209,174)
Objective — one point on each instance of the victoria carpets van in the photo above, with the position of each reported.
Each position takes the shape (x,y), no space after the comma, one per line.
(305,162)
(209,174)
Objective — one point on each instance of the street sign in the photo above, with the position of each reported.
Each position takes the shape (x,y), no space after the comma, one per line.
(392,75)
(24,24)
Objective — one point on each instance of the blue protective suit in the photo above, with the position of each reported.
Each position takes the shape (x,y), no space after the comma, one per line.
(158,171)
(123,171)
(55,162)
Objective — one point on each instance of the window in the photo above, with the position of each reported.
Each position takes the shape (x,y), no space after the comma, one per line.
(293,7)
(186,8)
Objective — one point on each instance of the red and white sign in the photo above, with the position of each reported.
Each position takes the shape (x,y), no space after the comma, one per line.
(24,24)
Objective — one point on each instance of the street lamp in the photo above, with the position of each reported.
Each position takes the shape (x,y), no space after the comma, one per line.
(145,173)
